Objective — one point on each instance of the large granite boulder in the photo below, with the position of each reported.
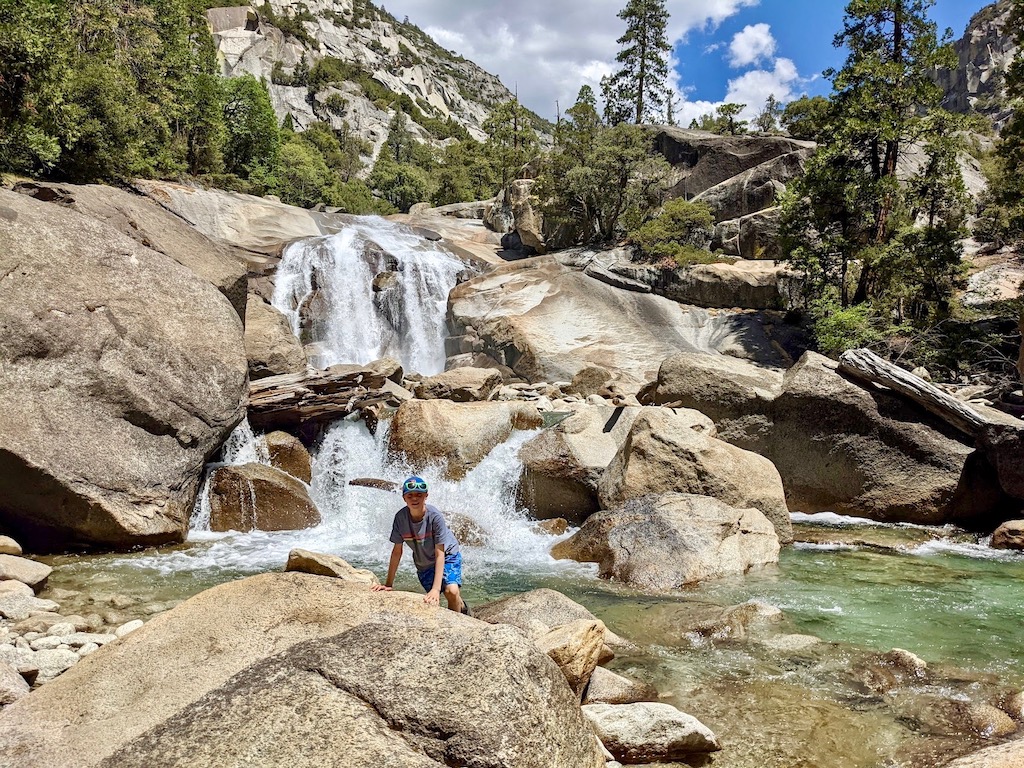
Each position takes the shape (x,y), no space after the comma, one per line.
(669,541)
(458,435)
(669,450)
(866,451)
(701,159)
(257,224)
(718,386)
(158,229)
(547,321)
(255,497)
(123,372)
(1010,755)
(562,465)
(290,668)
(270,346)
(754,189)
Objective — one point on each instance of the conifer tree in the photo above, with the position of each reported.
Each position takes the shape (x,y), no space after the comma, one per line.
(638,88)
(511,139)
(850,219)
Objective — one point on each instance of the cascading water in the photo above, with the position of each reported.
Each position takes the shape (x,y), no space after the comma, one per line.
(376,289)
(243,446)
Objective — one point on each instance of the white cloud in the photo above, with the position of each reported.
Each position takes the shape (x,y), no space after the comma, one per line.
(752,44)
(544,51)
(752,89)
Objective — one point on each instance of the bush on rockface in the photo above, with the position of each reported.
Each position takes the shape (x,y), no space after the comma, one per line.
(679,235)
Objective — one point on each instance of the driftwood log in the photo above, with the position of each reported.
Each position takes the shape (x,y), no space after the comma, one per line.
(865,365)
(294,399)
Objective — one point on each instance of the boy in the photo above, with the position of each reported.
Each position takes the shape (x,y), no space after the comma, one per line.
(435,550)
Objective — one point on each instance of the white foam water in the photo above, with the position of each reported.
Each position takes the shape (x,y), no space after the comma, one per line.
(329,283)
(356,520)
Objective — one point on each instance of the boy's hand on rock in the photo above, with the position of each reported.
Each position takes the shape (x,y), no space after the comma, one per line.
(381,588)
(432,598)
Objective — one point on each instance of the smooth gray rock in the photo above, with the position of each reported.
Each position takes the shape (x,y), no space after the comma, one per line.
(52,663)
(648,732)
(607,687)
(133,354)
(304,561)
(669,541)
(261,498)
(29,572)
(461,385)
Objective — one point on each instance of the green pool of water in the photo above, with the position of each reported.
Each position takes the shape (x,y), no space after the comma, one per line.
(955,606)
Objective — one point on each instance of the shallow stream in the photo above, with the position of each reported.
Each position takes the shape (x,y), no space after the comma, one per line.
(774,700)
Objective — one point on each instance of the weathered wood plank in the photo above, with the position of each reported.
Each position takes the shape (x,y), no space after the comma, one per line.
(865,365)
(295,398)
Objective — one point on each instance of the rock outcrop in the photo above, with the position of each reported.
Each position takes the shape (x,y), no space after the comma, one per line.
(839,446)
(461,385)
(547,321)
(983,54)
(399,57)
(669,541)
(137,359)
(288,667)
(148,223)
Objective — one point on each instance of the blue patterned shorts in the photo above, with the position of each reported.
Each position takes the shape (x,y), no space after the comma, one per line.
(452,573)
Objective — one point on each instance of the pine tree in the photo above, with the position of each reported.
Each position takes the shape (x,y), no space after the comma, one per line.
(511,139)
(767,120)
(850,212)
(640,83)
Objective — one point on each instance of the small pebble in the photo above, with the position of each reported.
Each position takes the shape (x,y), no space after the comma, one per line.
(88,648)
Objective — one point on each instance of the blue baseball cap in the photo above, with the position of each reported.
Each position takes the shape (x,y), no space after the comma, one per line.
(414,484)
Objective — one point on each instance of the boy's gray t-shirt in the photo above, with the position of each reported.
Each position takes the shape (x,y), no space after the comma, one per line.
(422,536)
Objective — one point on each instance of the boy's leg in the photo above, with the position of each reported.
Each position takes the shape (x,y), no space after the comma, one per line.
(454,596)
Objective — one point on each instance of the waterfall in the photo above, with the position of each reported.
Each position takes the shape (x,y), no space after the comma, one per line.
(376,289)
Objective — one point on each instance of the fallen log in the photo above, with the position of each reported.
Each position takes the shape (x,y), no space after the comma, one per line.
(375,482)
(865,365)
(293,399)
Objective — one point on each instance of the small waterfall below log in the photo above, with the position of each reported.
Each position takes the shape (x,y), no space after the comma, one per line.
(376,289)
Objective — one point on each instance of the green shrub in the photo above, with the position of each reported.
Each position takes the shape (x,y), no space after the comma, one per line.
(680,234)
(837,330)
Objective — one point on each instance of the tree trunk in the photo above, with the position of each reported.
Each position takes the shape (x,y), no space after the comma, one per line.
(865,365)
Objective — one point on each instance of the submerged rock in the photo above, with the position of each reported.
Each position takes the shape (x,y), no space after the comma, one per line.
(306,671)
(669,541)
(140,361)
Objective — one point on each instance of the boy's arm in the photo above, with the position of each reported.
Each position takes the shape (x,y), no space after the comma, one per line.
(396,557)
(433,597)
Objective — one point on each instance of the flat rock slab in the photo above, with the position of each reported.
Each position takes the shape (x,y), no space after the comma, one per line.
(304,561)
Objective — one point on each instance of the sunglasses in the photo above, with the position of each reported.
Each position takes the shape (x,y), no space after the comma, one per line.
(412,486)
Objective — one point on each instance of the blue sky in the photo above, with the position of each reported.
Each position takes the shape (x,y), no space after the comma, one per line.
(803,31)
(729,50)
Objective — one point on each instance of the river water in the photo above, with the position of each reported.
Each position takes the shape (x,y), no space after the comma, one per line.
(776,697)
